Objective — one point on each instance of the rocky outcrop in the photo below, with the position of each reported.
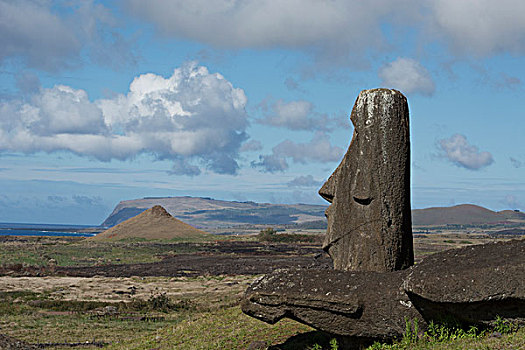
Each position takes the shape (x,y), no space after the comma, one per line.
(369,220)
(473,285)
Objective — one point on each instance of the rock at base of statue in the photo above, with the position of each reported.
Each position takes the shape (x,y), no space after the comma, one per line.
(473,285)
(369,220)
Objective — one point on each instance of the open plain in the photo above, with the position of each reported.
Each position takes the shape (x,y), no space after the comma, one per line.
(183,294)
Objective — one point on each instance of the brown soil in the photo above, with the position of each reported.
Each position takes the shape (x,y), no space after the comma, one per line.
(154,223)
(112,290)
(224,258)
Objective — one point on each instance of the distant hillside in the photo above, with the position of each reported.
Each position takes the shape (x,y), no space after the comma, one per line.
(464,214)
(212,213)
(154,223)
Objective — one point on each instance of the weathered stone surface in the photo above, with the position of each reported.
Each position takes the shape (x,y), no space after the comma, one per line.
(471,284)
(361,304)
(369,220)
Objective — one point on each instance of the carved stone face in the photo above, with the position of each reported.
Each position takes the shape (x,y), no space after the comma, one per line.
(369,220)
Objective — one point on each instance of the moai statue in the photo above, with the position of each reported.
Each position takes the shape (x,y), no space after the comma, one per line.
(369,220)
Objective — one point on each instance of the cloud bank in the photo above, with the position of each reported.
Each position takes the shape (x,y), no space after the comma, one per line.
(480,27)
(341,30)
(407,75)
(304,181)
(51,35)
(191,117)
(335,33)
(298,115)
(460,153)
(294,115)
(318,150)
(336,30)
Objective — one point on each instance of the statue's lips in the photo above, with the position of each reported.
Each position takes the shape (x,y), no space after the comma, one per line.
(364,200)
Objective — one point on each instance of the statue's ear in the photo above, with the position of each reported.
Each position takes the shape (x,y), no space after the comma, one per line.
(327,191)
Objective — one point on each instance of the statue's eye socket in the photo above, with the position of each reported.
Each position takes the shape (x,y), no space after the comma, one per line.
(363,201)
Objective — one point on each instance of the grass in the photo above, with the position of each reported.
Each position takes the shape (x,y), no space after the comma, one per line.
(42,251)
(227,328)
(437,336)
(270,235)
(35,318)
(207,319)
(513,341)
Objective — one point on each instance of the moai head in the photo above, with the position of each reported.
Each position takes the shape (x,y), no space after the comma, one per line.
(369,220)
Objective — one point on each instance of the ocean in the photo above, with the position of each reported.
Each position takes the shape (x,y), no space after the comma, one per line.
(23,229)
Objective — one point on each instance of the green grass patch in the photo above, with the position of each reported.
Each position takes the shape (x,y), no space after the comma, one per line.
(223,329)
(270,235)
(65,252)
(36,318)
(452,336)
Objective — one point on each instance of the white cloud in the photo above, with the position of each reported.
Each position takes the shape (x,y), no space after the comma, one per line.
(408,76)
(251,146)
(317,150)
(480,27)
(304,181)
(458,151)
(271,163)
(339,29)
(298,115)
(294,115)
(29,29)
(50,35)
(182,167)
(27,82)
(341,32)
(192,115)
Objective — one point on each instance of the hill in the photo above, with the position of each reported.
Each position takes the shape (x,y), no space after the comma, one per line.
(212,213)
(463,214)
(208,213)
(154,223)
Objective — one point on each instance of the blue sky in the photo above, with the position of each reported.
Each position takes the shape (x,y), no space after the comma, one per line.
(249,100)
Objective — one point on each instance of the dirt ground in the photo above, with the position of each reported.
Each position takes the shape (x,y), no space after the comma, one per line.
(224,258)
(111,289)
(213,272)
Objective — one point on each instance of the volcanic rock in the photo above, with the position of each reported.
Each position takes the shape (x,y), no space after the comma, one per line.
(154,223)
(472,285)
(369,220)
(359,304)
(10,343)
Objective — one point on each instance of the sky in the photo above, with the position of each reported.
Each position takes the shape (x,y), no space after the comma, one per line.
(249,100)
